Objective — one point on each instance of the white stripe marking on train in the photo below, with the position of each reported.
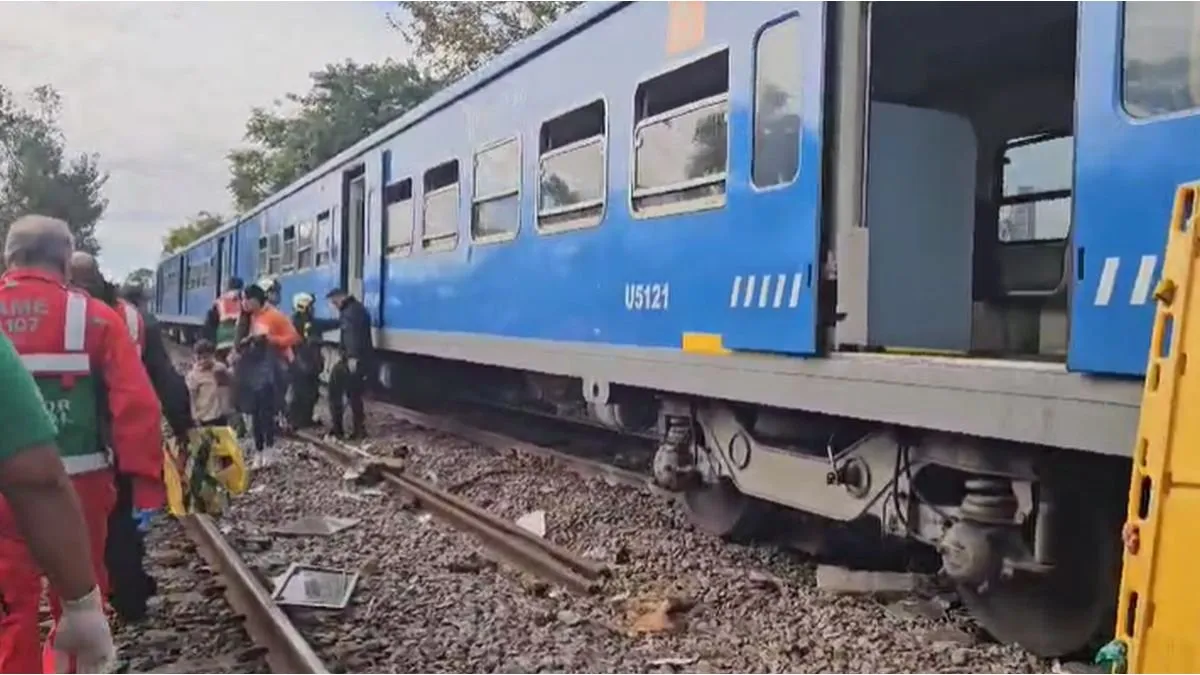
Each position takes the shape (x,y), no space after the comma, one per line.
(795,299)
(737,286)
(749,291)
(1141,284)
(780,282)
(764,291)
(1108,278)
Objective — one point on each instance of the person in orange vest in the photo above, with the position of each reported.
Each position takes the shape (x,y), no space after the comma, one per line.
(220,324)
(271,339)
(93,385)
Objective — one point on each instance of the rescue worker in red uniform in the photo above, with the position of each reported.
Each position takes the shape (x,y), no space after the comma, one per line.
(93,385)
(130,586)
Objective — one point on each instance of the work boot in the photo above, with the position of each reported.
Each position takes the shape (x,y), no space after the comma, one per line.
(358,434)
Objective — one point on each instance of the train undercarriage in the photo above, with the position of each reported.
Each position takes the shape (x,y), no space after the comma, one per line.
(1029,535)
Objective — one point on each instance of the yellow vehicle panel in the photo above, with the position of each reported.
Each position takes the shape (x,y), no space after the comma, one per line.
(1158,616)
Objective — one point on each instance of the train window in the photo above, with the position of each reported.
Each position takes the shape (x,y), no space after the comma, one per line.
(439,223)
(1161,72)
(324,239)
(262,254)
(273,254)
(1035,200)
(778,82)
(304,246)
(571,169)
(681,138)
(495,207)
(289,248)
(398,209)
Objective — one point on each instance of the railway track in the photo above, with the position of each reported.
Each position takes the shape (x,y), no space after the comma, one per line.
(268,626)
(517,546)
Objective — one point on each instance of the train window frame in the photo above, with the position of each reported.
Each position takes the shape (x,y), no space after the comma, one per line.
(1038,196)
(1193,60)
(477,199)
(386,212)
(585,221)
(288,262)
(694,204)
(274,253)
(304,244)
(323,231)
(777,22)
(442,242)
(263,253)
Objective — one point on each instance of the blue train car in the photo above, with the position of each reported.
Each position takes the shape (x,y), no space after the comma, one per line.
(876,263)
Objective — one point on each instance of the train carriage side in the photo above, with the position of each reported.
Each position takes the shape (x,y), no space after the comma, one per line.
(953,223)
(885,265)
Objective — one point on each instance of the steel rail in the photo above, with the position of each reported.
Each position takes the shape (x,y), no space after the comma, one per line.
(502,442)
(519,547)
(269,627)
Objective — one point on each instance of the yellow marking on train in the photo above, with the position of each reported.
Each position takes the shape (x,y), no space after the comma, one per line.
(685,26)
(704,343)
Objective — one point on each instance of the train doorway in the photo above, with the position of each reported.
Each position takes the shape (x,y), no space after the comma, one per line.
(354,196)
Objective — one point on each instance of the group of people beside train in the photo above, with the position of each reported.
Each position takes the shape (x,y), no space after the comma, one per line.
(253,355)
(85,382)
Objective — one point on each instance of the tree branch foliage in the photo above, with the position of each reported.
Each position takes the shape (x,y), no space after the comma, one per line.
(455,38)
(38,176)
(346,102)
(197,226)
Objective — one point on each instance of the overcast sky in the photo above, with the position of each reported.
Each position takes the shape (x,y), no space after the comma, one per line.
(162,92)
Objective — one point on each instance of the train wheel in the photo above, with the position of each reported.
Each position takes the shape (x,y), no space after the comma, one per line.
(721,509)
(1062,612)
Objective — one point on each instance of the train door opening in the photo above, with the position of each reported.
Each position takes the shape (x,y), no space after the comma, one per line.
(968,177)
(354,219)
(222,264)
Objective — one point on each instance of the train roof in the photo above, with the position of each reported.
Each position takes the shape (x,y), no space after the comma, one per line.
(575,20)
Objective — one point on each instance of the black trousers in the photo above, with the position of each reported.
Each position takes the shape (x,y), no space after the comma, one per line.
(124,556)
(306,389)
(344,385)
(262,417)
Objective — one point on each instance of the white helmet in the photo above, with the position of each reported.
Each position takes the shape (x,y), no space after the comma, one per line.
(302,301)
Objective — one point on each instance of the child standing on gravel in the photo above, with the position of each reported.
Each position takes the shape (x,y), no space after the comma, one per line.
(208,383)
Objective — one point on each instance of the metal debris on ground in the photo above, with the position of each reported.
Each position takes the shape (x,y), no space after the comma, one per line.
(674,661)
(911,609)
(322,526)
(534,521)
(317,587)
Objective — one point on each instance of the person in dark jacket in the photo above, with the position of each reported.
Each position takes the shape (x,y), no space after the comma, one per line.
(125,550)
(307,367)
(351,375)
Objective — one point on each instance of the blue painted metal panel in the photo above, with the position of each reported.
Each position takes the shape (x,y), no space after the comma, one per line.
(1127,170)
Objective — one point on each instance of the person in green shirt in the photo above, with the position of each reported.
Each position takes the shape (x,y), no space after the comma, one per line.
(40,496)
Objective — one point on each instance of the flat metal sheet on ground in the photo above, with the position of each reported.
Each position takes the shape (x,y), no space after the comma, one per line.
(308,586)
(316,526)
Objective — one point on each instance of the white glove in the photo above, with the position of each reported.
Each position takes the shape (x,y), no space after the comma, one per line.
(352,365)
(83,632)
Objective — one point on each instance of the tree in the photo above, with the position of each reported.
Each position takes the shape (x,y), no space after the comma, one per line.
(142,276)
(347,102)
(455,38)
(197,226)
(36,174)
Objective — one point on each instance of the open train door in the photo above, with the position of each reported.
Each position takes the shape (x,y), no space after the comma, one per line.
(1137,116)
(354,219)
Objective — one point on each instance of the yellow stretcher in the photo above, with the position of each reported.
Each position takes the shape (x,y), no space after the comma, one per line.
(1158,614)
(201,477)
